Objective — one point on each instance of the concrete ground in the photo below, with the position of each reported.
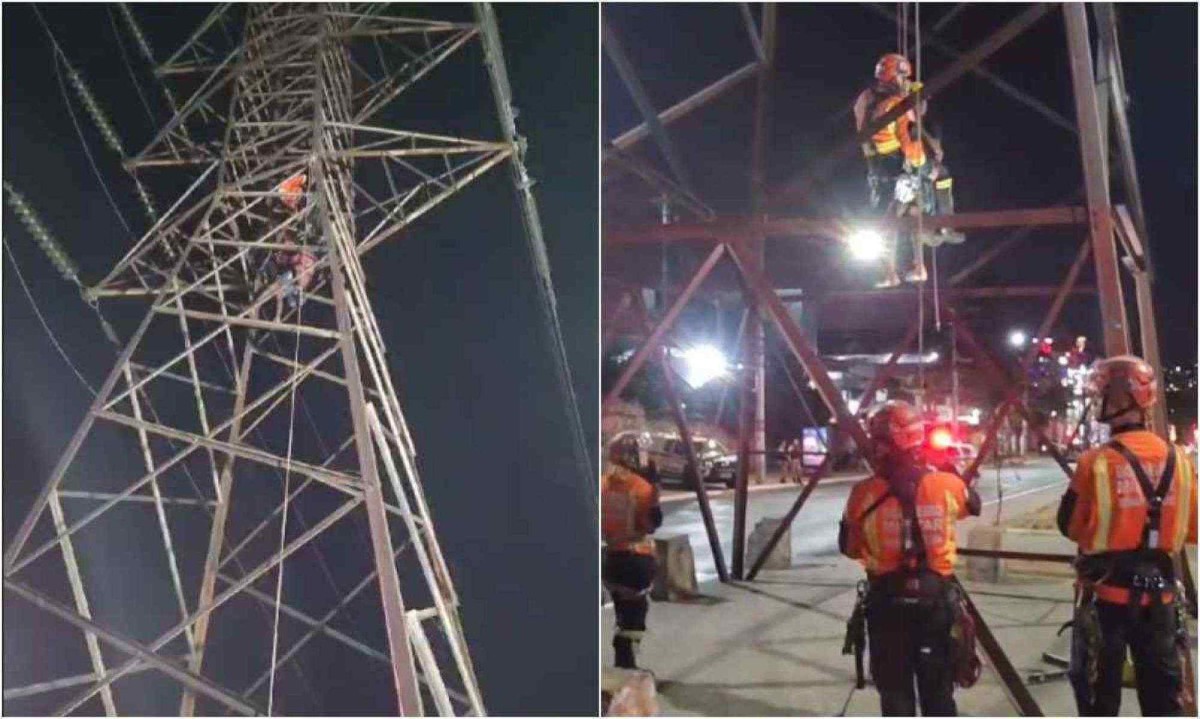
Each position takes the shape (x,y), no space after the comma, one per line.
(773,647)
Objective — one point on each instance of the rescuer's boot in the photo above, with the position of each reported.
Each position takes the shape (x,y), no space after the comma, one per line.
(917,273)
(623,650)
(891,279)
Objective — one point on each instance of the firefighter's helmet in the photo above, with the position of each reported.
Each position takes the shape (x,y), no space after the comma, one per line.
(892,68)
(1123,383)
(895,425)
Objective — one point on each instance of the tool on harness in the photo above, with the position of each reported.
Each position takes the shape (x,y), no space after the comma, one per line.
(856,635)
(1086,640)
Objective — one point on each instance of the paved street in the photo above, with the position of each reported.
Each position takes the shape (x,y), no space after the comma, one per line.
(814,533)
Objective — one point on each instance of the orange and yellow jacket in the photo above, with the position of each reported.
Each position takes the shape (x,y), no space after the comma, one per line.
(899,134)
(1104,509)
(629,511)
(877,541)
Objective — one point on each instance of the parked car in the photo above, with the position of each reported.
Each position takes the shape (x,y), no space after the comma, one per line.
(717,464)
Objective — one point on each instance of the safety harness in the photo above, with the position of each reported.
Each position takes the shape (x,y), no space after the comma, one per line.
(916,588)
(1146,570)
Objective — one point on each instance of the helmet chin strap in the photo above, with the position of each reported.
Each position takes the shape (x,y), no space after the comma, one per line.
(1106,417)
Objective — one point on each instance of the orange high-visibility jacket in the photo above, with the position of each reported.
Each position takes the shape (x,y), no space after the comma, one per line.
(899,134)
(626,503)
(877,541)
(1110,511)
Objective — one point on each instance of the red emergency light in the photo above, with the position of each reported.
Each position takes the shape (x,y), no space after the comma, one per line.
(941,438)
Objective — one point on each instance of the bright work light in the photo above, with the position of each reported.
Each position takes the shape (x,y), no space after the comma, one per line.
(703,364)
(865,245)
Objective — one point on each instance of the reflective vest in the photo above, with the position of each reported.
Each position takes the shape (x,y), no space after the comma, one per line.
(626,500)
(899,134)
(1111,511)
(878,540)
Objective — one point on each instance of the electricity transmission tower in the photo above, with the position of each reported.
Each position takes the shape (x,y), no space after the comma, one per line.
(285,125)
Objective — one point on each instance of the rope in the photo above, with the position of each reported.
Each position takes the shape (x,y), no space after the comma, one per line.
(49,332)
(287,486)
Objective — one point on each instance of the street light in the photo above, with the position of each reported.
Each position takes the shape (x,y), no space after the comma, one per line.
(865,245)
(703,364)
(1017,338)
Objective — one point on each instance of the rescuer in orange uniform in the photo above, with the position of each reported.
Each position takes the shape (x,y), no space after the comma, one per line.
(896,161)
(1131,507)
(900,525)
(630,513)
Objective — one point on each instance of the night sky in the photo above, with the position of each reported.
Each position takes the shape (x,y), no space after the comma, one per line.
(456,302)
(1003,154)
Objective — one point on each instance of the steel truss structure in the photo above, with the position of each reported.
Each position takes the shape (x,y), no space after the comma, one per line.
(1100,99)
(261,94)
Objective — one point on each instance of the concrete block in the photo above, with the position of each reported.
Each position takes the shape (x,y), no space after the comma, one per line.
(781,556)
(628,692)
(985,569)
(1041,541)
(676,576)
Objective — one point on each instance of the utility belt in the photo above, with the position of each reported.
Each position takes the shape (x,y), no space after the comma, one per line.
(1147,576)
(1135,577)
(923,588)
(910,587)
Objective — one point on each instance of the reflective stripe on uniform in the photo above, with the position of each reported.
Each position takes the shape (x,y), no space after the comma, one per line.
(945,184)
(631,634)
(1183,497)
(871,537)
(1103,504)
(889,146)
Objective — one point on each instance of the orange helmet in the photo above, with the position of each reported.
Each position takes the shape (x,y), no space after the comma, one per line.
(1126,379)
(896,425)
(626,452)
(891,68)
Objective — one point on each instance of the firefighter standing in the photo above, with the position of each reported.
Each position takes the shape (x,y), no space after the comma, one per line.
(1130,507)
(896,161)
(900,525)
(630,509)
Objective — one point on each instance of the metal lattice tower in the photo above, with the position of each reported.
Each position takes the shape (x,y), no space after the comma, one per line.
(214,389)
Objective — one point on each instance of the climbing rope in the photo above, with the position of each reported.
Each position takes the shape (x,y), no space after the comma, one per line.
(287,486)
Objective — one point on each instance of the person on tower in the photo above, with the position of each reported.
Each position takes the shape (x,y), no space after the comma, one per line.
(1131,507)
(630,513)
(897,166)
(900,525)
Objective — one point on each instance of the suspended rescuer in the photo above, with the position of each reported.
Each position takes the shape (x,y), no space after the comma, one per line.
(630,513)
(1130,507)
(900,525)
(897,167)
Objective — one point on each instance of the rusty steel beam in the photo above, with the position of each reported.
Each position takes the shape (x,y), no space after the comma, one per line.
(1095,171)
(734,229)
(876,382)
(1010,679)
(1004,554)
(660,331)
(800,184)
(680,109)
(616,52)
(693,468)
(800,347)
(931,39)
(965,293)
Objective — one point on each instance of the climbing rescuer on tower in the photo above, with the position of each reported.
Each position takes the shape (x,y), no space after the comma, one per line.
(1130,507)
(900,525)
(897,168)
(630,513)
